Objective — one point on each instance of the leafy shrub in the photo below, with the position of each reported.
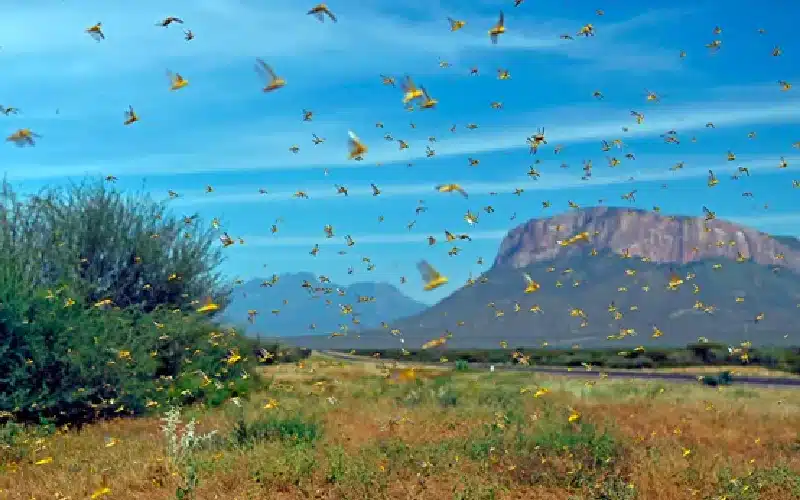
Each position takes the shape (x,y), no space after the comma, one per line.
(462,365)
(275,428)
(111,246)
(75,362)
(722,378)
(97,299)
(635,362)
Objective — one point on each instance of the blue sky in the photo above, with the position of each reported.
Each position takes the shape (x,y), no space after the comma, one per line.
(223,131)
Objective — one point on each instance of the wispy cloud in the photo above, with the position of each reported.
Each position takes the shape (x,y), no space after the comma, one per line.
(365,239)
(410,238)
(241,151)
(696,167)
(228,32)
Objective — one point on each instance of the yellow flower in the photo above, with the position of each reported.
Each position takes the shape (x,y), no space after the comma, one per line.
(574,417)
(44,461)
(271,404)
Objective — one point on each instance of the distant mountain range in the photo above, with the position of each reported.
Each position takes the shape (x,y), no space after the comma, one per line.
(298,301)
(738,284)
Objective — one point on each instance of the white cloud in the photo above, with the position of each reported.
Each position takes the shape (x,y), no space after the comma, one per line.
(756,221)
(242,150)
(360,240)
(47,38)
(696,167)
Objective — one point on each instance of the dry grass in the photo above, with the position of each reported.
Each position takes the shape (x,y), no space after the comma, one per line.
(366,431)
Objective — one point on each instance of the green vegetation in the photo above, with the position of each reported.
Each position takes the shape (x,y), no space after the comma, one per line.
(98,300)
(332,429)
(698,354)
(722,378)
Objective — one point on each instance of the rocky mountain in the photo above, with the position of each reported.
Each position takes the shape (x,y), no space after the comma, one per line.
(658,238)
(296,307)
(738,284)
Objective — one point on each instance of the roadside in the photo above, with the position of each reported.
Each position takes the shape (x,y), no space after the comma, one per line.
(742,374)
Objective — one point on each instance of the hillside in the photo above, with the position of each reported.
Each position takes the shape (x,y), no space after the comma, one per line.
(735,283)
(298,307)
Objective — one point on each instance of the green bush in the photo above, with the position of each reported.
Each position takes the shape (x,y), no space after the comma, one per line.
(273,428)
(106,245)
(97,309)
(628,363)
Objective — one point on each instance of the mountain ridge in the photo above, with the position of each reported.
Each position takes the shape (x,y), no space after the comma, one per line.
(289,305)
(659,238)
(620,279)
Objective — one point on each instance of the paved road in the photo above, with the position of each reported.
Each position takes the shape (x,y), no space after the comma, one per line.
(629,374)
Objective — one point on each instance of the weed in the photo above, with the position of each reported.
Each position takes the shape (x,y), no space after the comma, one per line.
(181,448)
(293,429)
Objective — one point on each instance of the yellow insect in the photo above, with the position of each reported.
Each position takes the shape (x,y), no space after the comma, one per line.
(455,24)
(96,32)
(23,137)
(176,81)
(712,179)
(357,148)
(410,91)
(586,31)
(449,188)
(387,80)
(434,343)
(674,282)
(428,102)
(209,306)
(130,116)
(536,140)
(275,81)
(433,279)
(498,29)
(531,285)
(320,11)
(169,20)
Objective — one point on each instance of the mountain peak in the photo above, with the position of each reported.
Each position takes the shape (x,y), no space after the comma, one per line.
(643,234)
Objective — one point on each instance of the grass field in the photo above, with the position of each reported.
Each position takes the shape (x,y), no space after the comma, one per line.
(327,430)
